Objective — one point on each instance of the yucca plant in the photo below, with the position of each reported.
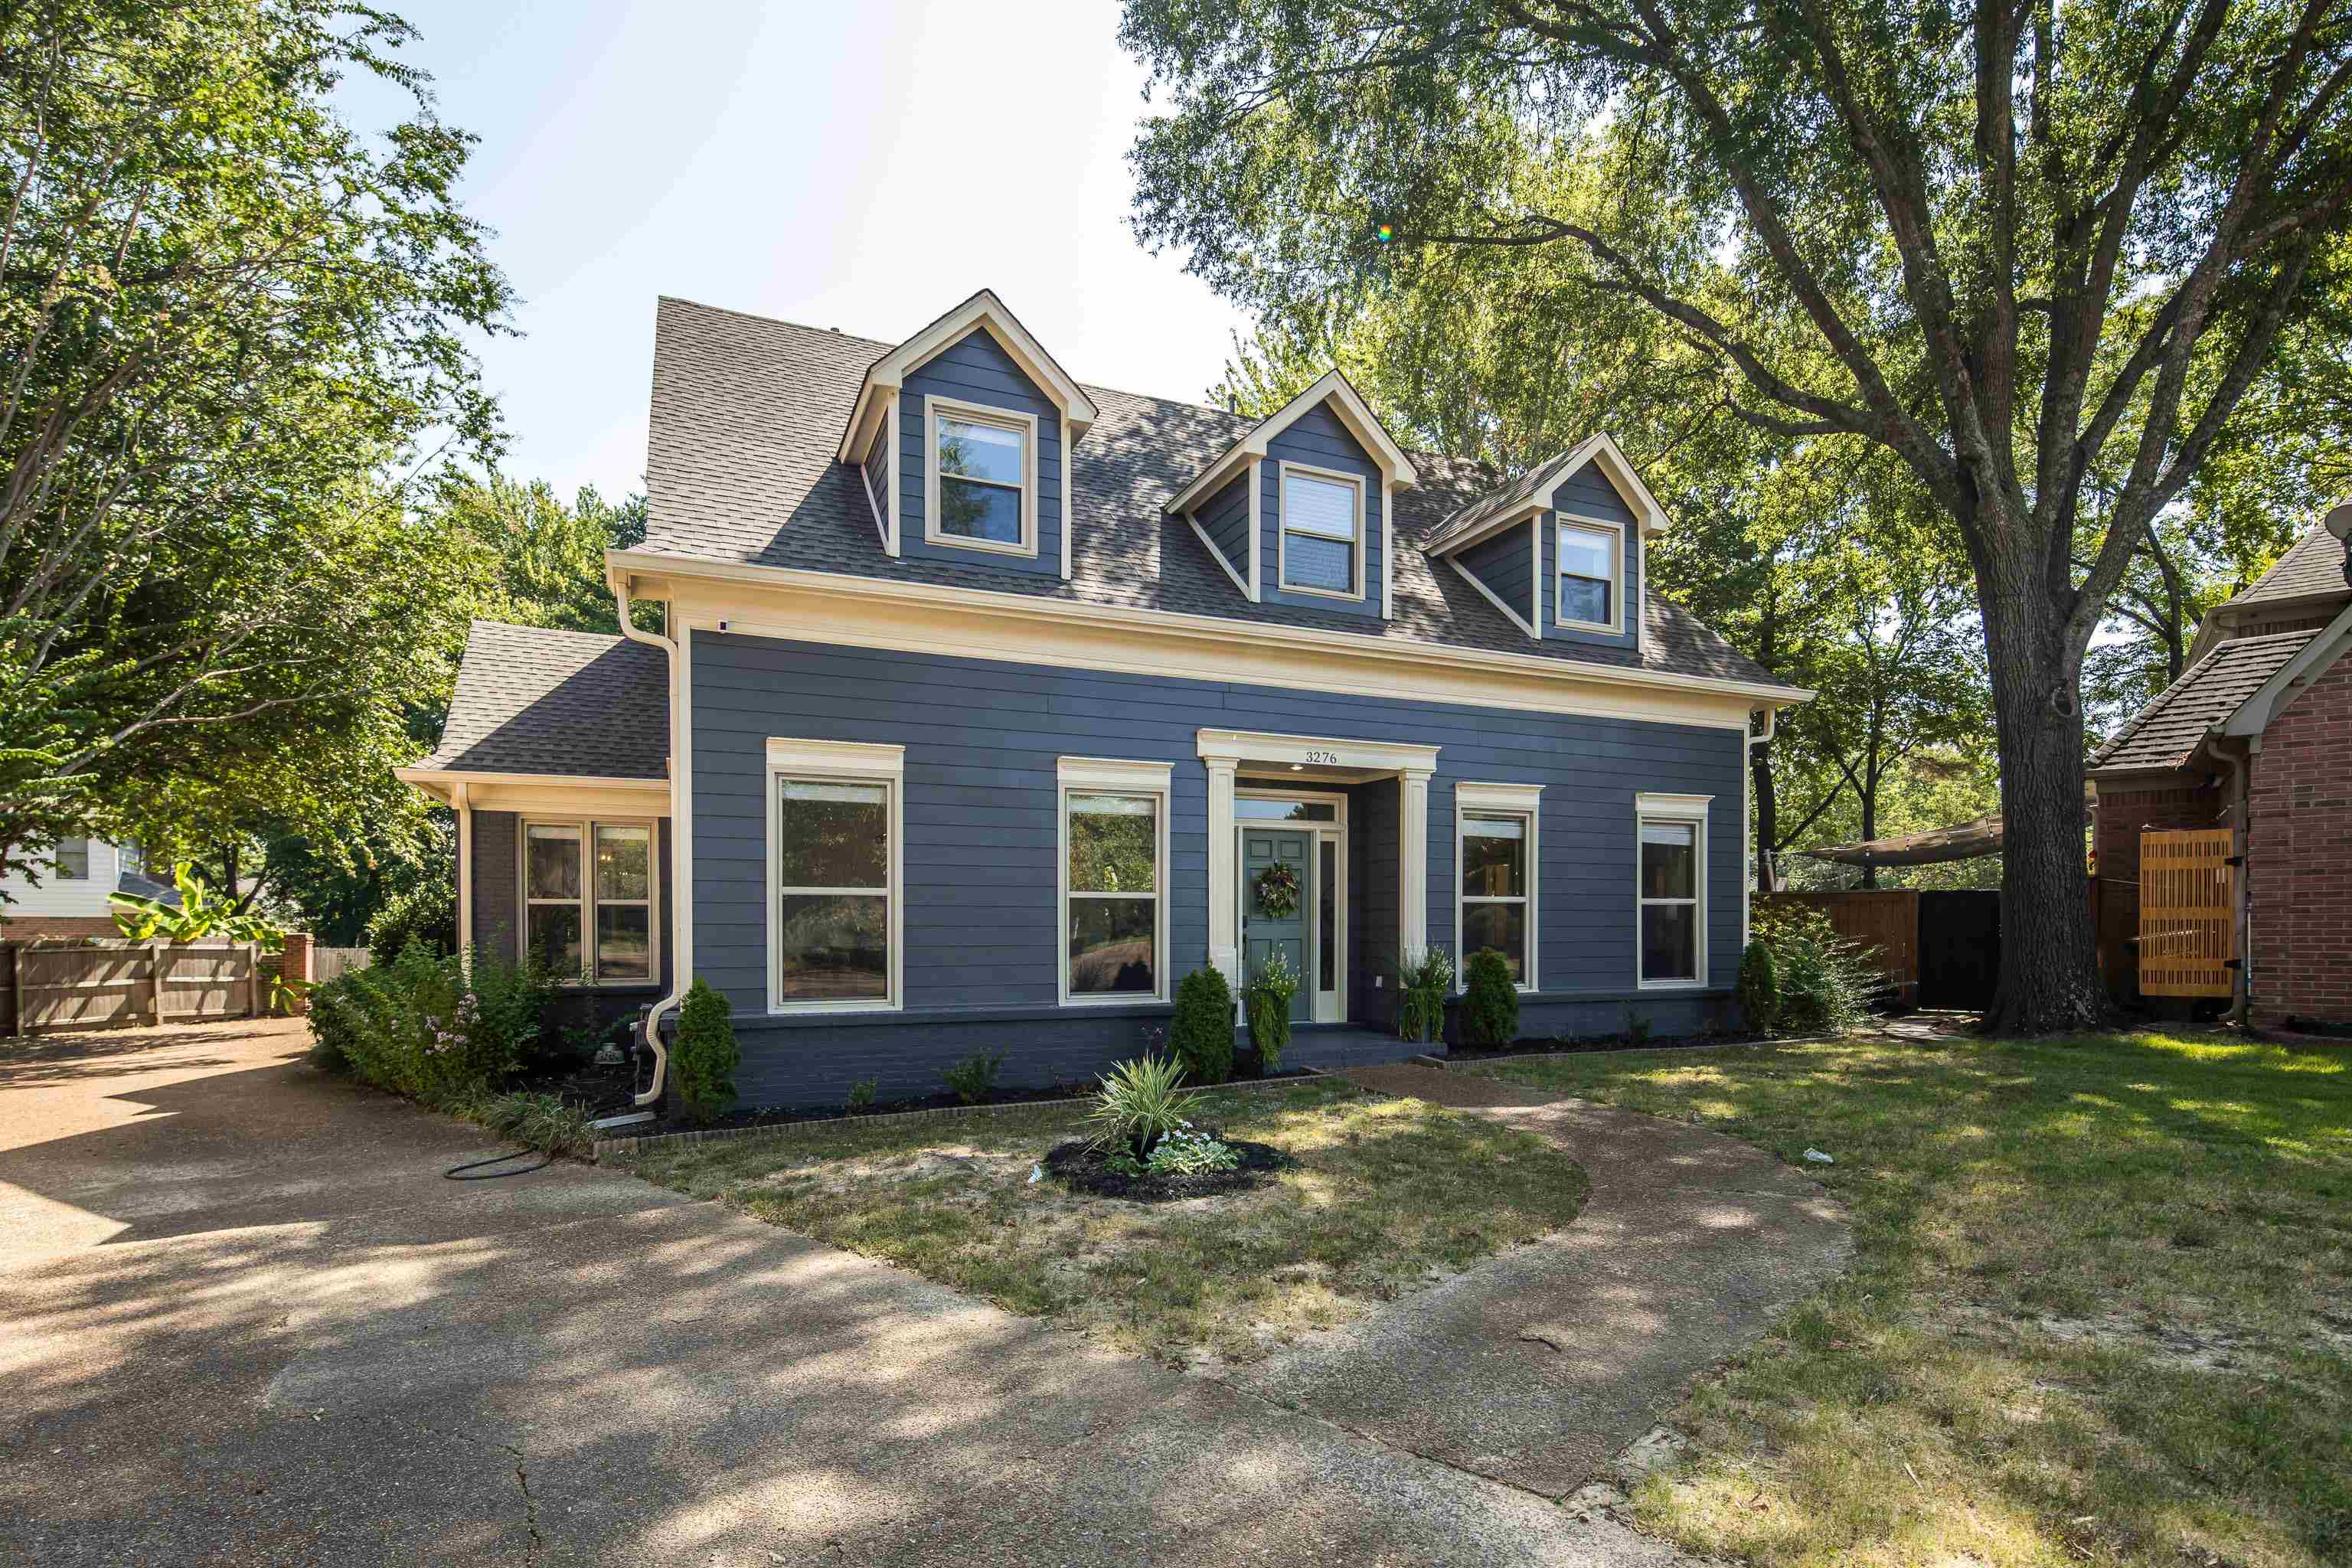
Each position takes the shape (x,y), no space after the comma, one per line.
(1142,1102)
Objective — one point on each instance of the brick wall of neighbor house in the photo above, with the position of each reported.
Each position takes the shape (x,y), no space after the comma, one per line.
(25,928)
(2300,857)
(2127,807)
(981,741)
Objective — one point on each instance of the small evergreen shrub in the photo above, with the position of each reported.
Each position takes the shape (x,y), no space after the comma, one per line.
(1637,1029)
(862,1093)
(1266,1000)
(1202,1033)
(1759,987)
(703,1061)
(972,1077)
(1424,981)
(426,912)
(1490,1007)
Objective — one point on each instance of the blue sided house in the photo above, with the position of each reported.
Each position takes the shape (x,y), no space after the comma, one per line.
(991,704)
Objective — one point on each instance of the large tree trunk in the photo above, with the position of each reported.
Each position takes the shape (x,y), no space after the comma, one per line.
(2050,967)
(1870,816)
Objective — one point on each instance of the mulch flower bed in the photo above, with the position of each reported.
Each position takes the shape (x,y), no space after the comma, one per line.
(1082,1166)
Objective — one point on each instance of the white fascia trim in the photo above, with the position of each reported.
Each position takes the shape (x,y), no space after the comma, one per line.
(1491,596)
(1218,555)
(1651,805)
(438,782)
(1255,478)
(1259,746)
(1388,552)
(1352,411)
(1217,629)
(984,310)
(1473,796)
(2255,713)
(1113,773)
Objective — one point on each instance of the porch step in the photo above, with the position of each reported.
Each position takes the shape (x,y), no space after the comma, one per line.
(1330,1047)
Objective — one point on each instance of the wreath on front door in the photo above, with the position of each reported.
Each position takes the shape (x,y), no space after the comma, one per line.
(1277,892)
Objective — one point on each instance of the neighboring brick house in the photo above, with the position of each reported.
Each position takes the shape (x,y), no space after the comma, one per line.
(2256,737)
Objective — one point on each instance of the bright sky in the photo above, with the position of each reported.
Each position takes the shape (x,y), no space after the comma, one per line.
(861,166)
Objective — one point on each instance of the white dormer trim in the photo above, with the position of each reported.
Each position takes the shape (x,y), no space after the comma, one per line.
(986,311)
(1396,469)
(1600,449)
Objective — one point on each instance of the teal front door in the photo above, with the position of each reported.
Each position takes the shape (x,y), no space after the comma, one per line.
(1262,933)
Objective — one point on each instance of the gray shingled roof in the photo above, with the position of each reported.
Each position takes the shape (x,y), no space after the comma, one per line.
(1496,502)
(533,700)
(2165,733)
(2313,568)
(747,418)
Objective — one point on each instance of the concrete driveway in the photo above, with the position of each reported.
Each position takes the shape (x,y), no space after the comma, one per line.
(244,1320)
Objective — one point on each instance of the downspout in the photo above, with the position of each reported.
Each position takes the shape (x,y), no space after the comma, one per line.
(461,797)
(681,904)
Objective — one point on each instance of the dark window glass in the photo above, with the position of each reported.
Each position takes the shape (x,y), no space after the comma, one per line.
(1326,563)
(836,947)
(1114,844)
(1503,926)
(975,451)
(981,470)
(1583,599)
(1248,810)
(1327,946)
(970,510)
(554,938)
(1494,856)
(552,863)
(625,949)
(73,860)
(1111,942)
(1669,860)
(833,835)
(624,863)
(1669,941)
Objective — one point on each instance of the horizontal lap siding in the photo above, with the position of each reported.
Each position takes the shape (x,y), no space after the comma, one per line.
(1506,566)
(1319,439)
(1225,519)
(977,371)
(983,740)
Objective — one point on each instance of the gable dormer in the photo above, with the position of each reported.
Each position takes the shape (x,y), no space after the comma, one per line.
(1296,511)
(1558,549)
(963,438)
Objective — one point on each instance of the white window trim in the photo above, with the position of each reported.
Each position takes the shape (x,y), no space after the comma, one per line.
(1282,471)
(586,826)
(1525,801)
(1615,624)
(1677,808)
(843,762)
(1111,775)
(935,409)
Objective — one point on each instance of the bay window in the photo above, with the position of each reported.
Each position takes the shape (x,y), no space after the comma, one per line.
(588,899)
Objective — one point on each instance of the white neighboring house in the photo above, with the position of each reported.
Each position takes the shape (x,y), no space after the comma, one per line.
(71,899)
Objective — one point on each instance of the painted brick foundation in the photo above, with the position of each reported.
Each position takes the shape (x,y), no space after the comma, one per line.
(2300,857)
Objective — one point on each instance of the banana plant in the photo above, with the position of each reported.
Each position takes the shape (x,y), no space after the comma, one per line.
(201,914)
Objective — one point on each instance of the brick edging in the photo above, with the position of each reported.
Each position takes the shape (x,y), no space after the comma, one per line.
(1629,1051)
(606,1148)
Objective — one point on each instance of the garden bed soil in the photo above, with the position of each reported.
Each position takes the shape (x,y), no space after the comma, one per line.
(1530,1048)
(781,1115)
(1082,1167)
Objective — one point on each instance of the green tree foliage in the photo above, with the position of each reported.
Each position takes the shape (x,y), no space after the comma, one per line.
(228,322)
(2036,257)
(1200,1035)
(548,558)
(703,1060)
(1490,1001)
(423,916)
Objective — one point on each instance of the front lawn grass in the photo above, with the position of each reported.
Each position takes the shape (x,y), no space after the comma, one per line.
(2100,1309)
(1388,1194)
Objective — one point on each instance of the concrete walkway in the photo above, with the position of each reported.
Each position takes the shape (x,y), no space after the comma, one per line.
(244,1320)
(1536,1366)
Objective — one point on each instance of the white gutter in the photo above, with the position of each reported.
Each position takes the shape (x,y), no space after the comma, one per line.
(681,841)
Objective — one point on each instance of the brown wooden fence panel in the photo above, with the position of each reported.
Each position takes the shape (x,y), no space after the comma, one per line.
(1885,919)
(71,984)
(2187,924)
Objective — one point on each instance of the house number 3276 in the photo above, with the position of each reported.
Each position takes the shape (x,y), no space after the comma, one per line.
(1322,756)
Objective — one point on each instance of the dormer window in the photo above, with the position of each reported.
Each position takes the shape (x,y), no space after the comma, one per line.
(1589,554)
(1322,532)
(982,488)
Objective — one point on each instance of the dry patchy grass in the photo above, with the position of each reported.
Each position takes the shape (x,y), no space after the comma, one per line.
(1388,1195)
(2100,1311)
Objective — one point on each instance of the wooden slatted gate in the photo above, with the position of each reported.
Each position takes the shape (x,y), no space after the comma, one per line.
(2188,916)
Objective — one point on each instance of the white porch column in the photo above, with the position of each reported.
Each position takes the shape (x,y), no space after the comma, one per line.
(1224,872)
(1413,861)
(462,798)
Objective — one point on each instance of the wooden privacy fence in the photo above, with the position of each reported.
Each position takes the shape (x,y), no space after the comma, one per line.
(2187,924)
(1885,919)
(334,962)
(92,984)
